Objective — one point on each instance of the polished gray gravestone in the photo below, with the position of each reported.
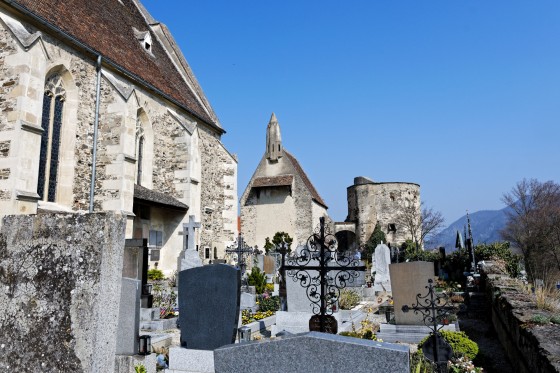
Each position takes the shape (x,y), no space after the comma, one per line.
(209,299)
(312,353)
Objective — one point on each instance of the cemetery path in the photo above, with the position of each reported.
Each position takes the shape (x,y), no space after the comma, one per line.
(491,355)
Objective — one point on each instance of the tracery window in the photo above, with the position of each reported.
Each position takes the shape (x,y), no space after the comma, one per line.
(51,122)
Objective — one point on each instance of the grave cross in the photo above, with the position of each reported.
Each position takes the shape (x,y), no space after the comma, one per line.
(435,311)
(188,233)
(241,249)
(323,289)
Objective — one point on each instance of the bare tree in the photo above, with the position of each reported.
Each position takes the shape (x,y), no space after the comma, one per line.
(420,223)
(534,223)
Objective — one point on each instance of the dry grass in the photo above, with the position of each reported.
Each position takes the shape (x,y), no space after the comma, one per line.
(548,298)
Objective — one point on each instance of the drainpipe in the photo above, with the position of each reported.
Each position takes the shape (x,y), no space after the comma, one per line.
(95,132)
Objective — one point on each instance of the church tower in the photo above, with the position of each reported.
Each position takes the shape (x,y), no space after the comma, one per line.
(273,140)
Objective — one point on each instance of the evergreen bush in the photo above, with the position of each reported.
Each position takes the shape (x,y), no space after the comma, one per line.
(461,344)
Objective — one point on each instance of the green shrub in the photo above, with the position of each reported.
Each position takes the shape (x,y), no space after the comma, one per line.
(459,342)
(348,299)
(268,303)
(257,279)
(140,368)
(155,275)
(555,319)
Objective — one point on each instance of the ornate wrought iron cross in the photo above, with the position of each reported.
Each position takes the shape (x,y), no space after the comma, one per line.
(330,272)
(241,249)
(435,309)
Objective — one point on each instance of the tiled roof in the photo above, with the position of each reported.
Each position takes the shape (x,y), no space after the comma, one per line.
(159,199)
(107,26)
(305,179)
(282,180)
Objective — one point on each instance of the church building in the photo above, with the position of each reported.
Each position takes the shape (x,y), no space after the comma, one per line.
(100,111)
(279,197)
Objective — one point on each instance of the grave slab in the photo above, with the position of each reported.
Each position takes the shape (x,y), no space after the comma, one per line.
(312,353)
(183,360)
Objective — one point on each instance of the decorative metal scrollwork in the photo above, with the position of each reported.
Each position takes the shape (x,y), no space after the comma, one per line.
(435,309)
(322,271)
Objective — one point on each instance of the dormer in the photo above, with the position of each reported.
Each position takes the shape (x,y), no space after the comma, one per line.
(145,39)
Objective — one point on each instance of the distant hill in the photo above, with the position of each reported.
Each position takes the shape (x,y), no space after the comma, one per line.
(486,227)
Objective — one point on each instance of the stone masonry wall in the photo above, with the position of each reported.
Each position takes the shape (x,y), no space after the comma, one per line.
(60,279)
(369,203)
(216,166)
(170,154)
(8,102)
(529,346)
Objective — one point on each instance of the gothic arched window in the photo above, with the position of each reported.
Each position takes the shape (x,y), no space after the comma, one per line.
(51,122)
(139,150)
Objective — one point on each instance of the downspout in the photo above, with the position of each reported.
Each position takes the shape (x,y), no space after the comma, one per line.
(95,133)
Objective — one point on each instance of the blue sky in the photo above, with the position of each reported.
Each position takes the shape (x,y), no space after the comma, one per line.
(461,97)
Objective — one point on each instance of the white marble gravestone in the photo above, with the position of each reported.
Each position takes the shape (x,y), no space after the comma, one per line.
(382,280)
(189,257)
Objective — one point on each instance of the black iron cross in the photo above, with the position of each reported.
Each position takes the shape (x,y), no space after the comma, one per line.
(334,272)
(241,249)
(435,310)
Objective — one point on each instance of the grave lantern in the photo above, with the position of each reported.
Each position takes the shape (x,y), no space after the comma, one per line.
(244,334)
(144,345)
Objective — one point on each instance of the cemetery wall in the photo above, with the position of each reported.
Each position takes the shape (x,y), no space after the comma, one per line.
(370,202)
(530,347)
(60,276)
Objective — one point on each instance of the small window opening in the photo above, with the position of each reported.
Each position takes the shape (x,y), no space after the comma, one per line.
(215,253)
(392,227)
(207,253)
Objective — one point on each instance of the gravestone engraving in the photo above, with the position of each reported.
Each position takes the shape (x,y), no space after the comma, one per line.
(209,300)
(382,281)
(189,257)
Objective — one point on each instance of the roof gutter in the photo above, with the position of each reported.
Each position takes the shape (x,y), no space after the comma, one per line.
(107,61)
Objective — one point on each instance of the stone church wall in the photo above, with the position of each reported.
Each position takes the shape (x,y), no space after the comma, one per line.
(60,276)
(218,195)
(178,144)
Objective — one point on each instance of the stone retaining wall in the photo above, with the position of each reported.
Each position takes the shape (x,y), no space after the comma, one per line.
(531,347)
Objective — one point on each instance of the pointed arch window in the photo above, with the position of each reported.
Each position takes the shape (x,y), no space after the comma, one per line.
(139,150)
(51,122)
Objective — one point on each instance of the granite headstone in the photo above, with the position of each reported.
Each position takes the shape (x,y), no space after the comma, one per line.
(209,300)
(313,352)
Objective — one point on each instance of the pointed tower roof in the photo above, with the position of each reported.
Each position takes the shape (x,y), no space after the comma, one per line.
(273,139)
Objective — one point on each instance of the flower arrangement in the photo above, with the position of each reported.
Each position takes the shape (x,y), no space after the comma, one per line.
(463,365)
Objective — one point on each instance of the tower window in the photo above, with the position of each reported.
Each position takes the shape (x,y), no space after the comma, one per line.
(207,253)
(392,227)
